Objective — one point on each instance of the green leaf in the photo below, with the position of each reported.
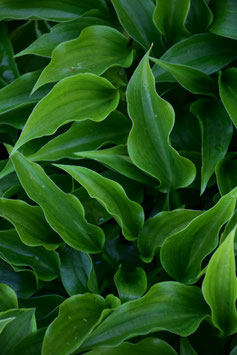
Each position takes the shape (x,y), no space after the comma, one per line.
(30,223)
(94,212)
(224,22)
(128,214)
(170,17)
(153,119)
(199,17)
(84,96)
(45,44)
(228,92)
(220,287)
(186,348)
(216,129)
(23,282)
(168,306)
(31,344)
(4,323)
(16,117)
(183,252)
(8,298)
(160,227)
(8,68)
(85,135)
(130,285)
(117,158)
(63,212)
(45,263)
(23,324)
(204,51)
(17,94)
(52,10)
(136,18)
(190,78)
(226,174)
(77,272)
(94,51)
(148,346)
(78,315)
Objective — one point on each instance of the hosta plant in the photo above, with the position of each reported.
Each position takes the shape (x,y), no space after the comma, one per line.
(118,177)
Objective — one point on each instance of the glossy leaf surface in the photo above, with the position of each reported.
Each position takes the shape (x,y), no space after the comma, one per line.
(160,227)
(220,286)
(183,252)
(84,96)
(160,309)
(94,51)
(67,216)
(130,285)
(228,92)
(128,214)
(212,118)
(29,222)
(224,22)
(156,156)
(8,298)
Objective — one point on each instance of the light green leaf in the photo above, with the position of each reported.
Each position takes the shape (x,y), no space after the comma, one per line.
(153,120)
(191,79)
(53,10)
(45,263)
(220,287)
(183,252)
(199,17)
(204,51)
(168,306)
(77,272)
(228,92)
(78,315)
(148,346)
(23,324)
(160,227)
(8,298)
(30,223)
(226,174)
(45,44)
(85,135)
(17,94)
(84,96)
(94,51)
(8,67)
(136,18)
(23,282)
(216,130)
(63,212)
(128,214)
(225,14)
(117,158)
(169,17)
(130,285)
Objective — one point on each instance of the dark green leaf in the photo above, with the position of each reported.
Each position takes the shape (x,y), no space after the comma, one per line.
(160,227)
(77,272)
(128,214)
(225,14)
(63,212)
(8,298)
(216,129)
(226,174)
(130,285)
(31,344)
(182,253)
(228,92)
(205,52)
(8,68)
(199,17)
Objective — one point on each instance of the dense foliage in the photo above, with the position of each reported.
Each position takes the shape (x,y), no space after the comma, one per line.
(118,177)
